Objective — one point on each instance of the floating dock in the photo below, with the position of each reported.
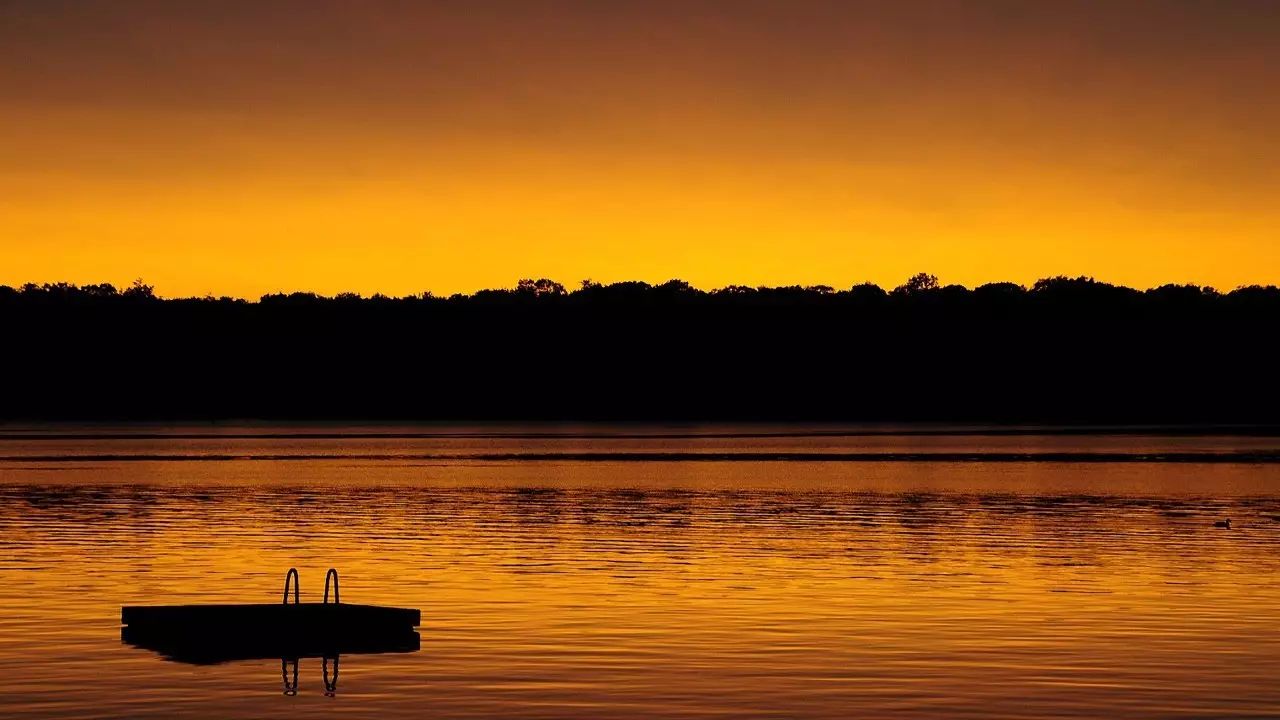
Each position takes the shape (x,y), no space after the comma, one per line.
(207,634)
(300,617)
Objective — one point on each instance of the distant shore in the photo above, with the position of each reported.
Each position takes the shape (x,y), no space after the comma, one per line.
(1268,458)
(251,429)
(1064,352)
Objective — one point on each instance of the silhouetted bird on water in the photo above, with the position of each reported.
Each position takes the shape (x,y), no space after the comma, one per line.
(1223,524)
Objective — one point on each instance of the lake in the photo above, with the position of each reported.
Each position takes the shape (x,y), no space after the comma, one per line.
(655,571)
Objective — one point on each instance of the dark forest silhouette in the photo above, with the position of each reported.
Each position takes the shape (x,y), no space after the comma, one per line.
(1064,350)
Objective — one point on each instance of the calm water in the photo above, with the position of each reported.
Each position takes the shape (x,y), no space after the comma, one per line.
(787,572)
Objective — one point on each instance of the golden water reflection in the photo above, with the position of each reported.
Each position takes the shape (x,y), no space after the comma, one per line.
(606,590)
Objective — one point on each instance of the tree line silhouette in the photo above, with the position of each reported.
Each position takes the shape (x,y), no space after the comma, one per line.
(1065,350)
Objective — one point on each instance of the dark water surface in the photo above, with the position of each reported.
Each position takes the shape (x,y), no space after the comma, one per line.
(656,572)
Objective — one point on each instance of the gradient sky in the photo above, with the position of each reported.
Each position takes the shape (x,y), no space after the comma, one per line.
(375,145)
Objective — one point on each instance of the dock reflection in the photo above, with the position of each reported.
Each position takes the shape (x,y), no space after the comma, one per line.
(289,675)
(213,649)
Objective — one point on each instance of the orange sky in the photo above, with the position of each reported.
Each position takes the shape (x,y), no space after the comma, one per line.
(375,145)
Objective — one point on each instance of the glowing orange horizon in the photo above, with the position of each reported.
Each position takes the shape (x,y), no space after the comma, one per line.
(385,148)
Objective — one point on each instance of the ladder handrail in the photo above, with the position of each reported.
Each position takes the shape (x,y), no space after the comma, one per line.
(293,573)
(290,684)
(334,574)
(330,684)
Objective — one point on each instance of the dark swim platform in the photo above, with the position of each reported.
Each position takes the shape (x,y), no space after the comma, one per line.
(299,617)
(219,633)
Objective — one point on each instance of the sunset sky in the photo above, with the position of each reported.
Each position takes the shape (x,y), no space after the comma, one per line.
(395,146)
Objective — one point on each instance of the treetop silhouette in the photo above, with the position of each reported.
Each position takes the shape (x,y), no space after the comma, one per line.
(1063,350)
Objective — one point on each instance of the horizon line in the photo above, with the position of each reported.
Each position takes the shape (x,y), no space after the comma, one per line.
(546,286)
